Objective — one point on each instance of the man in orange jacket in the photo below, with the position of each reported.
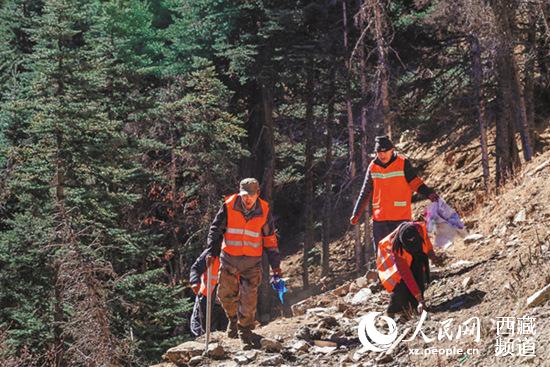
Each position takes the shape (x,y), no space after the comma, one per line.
(198,278)
(403,266)
(389,184)
(241,230)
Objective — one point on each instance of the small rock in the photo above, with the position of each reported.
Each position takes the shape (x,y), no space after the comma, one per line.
(349,313)
(299,308)
(303,333)
(195,361)
(321,311)
(251,354)
(323,350)
(520,217)
(216,351)
(357,356)
(361,282)
(328,322)
(345,359)
(272,361)
(341,291)
(384,358)
(375,287)
(500,231)
(361,297)
(372,276)
(467,282)
(240,359)
(460,263)
(342,306)
(539,297)
(473,238)
(324,343)
(228,364)
(300,346)
(271,345)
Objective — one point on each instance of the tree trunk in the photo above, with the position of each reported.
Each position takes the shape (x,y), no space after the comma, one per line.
(529,75)
(477,82)
(383,67)
(505,22)
(366,132)
(58,316)
(507,158)
(358,246)
(544,48)
(268,147)
(327,203)
(309,152)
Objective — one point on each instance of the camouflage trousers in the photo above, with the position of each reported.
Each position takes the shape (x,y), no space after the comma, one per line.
(238,280)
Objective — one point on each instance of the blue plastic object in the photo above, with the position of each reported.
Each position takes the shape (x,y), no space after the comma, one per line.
(278,284)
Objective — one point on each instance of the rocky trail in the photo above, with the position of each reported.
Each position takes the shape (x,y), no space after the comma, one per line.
(499,271)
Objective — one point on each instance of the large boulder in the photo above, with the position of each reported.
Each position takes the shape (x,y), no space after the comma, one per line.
(182,353)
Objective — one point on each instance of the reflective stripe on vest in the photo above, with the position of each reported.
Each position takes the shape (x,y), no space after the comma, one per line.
(214,269)
(242,243)
(243,237)
(243,231)
(391,196)
(385,263)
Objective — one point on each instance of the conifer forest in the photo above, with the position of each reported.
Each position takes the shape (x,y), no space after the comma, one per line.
(124,123)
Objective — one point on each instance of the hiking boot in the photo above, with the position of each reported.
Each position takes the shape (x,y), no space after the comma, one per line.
(249,340)
(232,329)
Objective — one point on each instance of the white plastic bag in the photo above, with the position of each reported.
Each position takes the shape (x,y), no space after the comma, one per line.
(444,223)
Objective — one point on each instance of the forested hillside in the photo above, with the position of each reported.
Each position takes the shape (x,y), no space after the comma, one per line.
(123,123)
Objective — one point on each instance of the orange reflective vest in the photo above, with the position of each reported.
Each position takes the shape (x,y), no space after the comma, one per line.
(385,259)
(242,237)
(392,194)
(213,277)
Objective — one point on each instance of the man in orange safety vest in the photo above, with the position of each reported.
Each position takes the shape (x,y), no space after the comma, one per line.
(242,229)
(389,183)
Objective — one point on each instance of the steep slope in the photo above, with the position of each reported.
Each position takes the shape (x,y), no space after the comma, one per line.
(489,275)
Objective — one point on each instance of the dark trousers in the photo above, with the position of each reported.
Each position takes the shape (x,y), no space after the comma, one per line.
(382,229)
(401,298)
(198,317)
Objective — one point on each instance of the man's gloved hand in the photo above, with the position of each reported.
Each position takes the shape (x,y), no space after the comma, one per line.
(354,219)
(433,197)
(195,288)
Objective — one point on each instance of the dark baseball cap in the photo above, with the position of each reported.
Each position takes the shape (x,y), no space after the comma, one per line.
(382,144)
(249,186)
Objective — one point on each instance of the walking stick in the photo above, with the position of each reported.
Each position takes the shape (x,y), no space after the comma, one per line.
(208,307)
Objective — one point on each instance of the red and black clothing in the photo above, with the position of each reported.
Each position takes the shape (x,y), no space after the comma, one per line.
(403,273)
